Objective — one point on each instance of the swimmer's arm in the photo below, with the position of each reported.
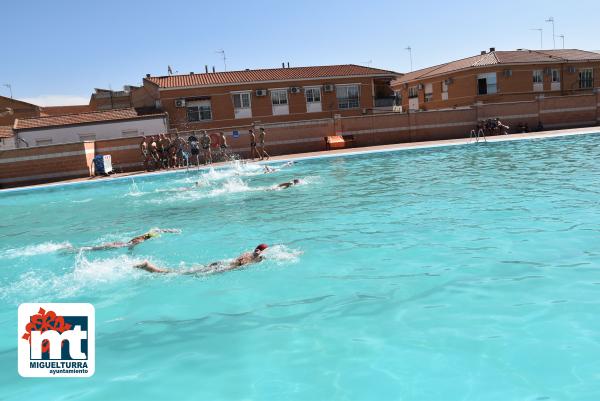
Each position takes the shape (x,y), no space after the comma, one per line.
(149,267)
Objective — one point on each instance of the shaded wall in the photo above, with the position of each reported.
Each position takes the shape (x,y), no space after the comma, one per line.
(59,162)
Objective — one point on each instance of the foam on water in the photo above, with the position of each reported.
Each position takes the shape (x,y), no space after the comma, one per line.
(86,274)
(33,250)
(282,254)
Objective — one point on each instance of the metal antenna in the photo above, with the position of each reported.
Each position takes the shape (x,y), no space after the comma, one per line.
(222,52)
(9,88)
(541,36)
(369,62)
(551,19)
(563,40)
(410,54)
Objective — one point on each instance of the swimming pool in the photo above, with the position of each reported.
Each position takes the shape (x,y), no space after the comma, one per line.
(467,272)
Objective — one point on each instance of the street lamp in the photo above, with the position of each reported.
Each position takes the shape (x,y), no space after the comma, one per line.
(551,19)
(563,40)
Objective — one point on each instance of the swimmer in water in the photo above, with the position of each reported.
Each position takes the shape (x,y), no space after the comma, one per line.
(244,259)
(288,184)
(155,232)
(269,169)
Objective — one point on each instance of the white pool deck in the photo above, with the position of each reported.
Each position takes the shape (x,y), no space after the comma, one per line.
(330,153)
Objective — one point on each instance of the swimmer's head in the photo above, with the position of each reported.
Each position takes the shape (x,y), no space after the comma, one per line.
(296,181)
(260,248)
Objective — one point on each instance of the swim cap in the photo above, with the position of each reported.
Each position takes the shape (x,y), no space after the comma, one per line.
(261,247)
(153,234)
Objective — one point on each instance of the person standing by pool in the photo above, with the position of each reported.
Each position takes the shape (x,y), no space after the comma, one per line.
(261,145)
(145,153)
(154,152)
(223,145)
(205,142)
(244,259)
(194,148)
(253,152)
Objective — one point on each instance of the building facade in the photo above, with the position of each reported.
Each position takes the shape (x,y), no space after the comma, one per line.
(11,109)
(237,98)
(91,126)
(499,76)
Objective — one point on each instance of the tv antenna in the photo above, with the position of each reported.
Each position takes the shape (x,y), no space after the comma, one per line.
(541,31)
(222,53)
(410,54)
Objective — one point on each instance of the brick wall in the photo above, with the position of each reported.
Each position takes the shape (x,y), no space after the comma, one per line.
(59,162)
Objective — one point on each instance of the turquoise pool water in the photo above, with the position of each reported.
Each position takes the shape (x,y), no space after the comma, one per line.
(457,273)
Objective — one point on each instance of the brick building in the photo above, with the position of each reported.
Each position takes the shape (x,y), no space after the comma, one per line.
(499,76)
(90,126)
(11,109)
(237,98)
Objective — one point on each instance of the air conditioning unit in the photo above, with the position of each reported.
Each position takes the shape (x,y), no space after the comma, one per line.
(507,73)
(295,89)
(448,81)
(261,92)
(572,69)
(547,71)
(328,88)
(420,87)
(180,103)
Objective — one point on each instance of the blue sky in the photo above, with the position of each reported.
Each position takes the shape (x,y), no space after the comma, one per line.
(57,52)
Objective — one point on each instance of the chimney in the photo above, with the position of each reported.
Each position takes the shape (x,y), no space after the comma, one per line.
(206,68)
(282,65)
(288,64)
(492,49)
(213,69)
(191,72)
(482,52)
(147,75)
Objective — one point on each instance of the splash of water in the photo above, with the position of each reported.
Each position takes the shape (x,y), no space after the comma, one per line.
(33,250)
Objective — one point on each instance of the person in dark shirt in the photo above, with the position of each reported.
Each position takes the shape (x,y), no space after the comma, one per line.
(194,148)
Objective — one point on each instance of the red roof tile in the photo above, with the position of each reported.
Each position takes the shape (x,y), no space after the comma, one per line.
(500,58)
(266,75)
(78,118)
(6,131)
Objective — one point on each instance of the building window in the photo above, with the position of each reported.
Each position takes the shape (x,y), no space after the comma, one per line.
(241,100)
(538,76)
(242,107)
(413,92)
(428,92)
(397,98)
(199,110)
(555,75)
(279,97)
(586,78)
(87,137)
(347,96)
(486,84)
(313,95)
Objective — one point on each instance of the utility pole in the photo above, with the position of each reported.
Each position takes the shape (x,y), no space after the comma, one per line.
(551,19)
(222,52)
(541,36)
(563,40)
(410,55)
(9,88)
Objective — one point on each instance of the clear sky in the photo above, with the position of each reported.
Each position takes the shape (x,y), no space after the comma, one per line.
(57,52)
